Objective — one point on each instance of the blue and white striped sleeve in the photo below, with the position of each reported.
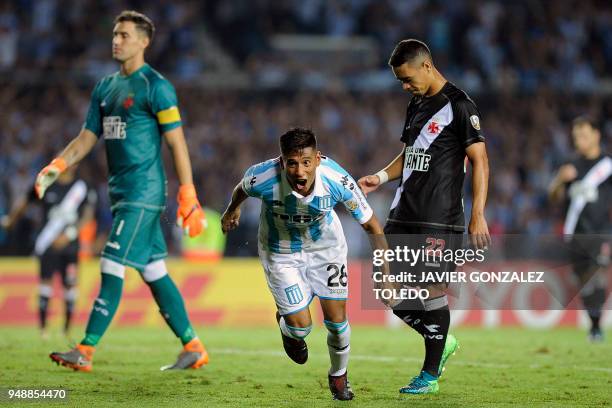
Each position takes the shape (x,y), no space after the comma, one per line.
(349,193)
(260,178)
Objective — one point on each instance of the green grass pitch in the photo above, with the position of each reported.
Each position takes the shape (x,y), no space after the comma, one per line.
(503,367)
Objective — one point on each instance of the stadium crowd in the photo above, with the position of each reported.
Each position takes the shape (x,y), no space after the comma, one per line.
(482,44)
(529,66)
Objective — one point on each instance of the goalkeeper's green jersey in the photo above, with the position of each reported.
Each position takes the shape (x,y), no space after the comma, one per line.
(131,113)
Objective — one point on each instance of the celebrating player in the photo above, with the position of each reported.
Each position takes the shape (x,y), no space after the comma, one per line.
(588,181)
(302,246)
(442,127)
(68,205)
(132,109)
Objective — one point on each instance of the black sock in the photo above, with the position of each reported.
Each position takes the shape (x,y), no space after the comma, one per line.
(411,312)
(595,321)
(593,303)
(43,305)
(436,321)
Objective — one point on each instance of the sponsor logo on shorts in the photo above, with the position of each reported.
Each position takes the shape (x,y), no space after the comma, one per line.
(294,294)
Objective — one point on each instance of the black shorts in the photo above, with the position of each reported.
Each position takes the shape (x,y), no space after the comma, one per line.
(65,264)
(437,247)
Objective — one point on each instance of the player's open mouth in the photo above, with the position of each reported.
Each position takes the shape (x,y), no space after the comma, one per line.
(300,184)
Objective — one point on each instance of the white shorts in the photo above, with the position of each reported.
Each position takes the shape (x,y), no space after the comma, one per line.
(294,279)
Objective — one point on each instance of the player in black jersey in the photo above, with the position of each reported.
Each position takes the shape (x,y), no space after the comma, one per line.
(68,204)
(442,128)
(588,183)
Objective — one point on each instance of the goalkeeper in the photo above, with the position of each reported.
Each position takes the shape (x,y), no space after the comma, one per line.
(133,110)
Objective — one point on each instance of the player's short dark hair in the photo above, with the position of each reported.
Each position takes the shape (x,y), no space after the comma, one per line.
(407,51)
(142,22)
(584,120)
(297,139)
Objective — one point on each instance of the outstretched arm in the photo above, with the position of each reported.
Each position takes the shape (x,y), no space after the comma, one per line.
(391,172)
(231,216)
(78,148)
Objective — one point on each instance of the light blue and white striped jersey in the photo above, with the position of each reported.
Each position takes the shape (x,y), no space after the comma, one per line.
(290,222)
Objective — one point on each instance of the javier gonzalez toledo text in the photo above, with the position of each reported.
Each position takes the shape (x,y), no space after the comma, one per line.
(433,267)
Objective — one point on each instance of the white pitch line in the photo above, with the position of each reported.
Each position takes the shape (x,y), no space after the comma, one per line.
(384,359)
(390,359)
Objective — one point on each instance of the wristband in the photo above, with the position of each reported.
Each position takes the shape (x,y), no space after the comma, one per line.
(383,176)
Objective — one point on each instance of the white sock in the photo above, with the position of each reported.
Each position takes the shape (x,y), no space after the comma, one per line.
(338,343)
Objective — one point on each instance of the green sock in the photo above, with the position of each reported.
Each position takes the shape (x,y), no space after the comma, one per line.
(104,309)
(172,308)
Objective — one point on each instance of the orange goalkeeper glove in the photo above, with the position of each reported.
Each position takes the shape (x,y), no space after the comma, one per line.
(48,175)
(189,215)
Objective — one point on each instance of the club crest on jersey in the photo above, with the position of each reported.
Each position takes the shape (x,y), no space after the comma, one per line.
(416,159)
(113,127)
(325,202)
(129,101)
(433,128)
(475,121)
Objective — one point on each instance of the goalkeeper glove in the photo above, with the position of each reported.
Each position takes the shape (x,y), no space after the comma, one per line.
(189,215)
(48,175)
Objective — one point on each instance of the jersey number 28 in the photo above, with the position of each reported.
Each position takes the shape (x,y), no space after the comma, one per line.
(338,277)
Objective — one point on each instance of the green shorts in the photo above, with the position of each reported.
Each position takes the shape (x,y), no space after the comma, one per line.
(136,238)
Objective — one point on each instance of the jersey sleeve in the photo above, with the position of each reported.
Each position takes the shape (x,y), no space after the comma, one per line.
(346,191)
(467,122)
(164,104)
(260,178)
(355,202)
(93,121)
(248,182)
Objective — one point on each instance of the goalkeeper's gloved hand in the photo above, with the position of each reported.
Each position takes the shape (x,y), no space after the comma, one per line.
(48,175)
(189,215)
